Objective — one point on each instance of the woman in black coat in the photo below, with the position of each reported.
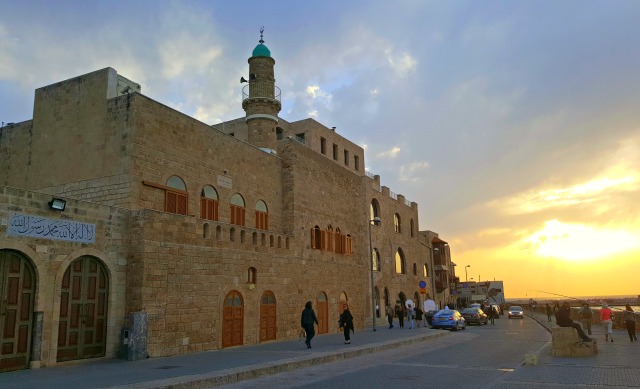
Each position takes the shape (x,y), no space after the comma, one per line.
(346,323)
(307,320)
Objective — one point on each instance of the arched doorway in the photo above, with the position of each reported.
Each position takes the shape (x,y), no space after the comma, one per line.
(267,317)
(232,320)
(83,310)
(17,292)
(323,313)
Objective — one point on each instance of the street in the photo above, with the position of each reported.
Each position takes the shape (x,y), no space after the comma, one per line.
(480,356)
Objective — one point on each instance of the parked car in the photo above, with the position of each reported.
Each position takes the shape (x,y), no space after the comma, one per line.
(449,318)
(475,305)
(515,311)
(474,315)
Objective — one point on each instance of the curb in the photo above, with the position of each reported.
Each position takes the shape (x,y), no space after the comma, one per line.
(234,375)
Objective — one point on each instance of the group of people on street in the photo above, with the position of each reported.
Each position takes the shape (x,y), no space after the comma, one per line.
(585,315)
(308,320)
(414,314)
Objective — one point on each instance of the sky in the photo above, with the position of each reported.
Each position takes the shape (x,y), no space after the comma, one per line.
(515,125)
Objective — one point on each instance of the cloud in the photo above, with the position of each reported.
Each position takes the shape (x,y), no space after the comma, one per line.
(390,154)
(409,172)
(403,65)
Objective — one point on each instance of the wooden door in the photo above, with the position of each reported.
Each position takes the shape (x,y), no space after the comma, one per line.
(83,310)
(267,317)
(17,292)
(232,320)
(322,313)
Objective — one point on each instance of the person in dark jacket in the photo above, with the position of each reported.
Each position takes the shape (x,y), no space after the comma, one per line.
(563,319)
(549,311)
(307,320)
(400,314)
(630,321)
(346,323)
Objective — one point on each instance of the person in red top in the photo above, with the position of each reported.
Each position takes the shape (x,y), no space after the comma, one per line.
(606,316)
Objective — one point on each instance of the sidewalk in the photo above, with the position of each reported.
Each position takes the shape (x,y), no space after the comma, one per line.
(615,366)
(620,354)
(211,368)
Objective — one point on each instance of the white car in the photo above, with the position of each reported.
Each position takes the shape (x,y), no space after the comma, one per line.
(516,311)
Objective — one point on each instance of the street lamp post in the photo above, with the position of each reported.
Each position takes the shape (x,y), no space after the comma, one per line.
(373,294)
(466,277)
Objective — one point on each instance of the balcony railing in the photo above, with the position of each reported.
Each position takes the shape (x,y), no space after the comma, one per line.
(264,90)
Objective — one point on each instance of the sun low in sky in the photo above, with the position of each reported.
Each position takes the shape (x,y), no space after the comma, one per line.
(581,239)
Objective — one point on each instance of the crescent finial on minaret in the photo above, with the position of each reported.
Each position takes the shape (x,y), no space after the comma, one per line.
(261,31)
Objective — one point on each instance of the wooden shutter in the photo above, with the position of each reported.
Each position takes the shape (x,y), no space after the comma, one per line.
(208,209)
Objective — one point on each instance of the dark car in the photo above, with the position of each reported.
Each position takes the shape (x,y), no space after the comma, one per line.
(449,318)
(515,311)
(474,315)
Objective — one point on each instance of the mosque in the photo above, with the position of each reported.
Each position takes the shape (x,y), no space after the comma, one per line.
(129,229)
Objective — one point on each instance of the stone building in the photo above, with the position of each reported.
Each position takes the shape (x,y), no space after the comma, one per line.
(114,205)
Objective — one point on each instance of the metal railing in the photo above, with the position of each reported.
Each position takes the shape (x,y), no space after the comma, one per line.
(264,90)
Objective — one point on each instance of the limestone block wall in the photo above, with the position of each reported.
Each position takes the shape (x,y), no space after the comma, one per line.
(50,259)
(180,274)
(167,142)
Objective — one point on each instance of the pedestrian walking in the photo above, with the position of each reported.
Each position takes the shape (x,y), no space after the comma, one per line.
(307,320)
(400,314)
(630,321)
(390,315)
(606,316)
(411,314)
(491,313)
(586,317)
(549,311)
(346,323)
(419,315)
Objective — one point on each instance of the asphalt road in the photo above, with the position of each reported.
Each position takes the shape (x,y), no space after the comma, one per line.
(487,356)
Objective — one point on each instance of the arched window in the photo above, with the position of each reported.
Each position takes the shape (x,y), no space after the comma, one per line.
(329,238)
(232,234)
(316,238)
(252,275)
(376,259)
(255,238)
(175,198)
(412,228)
(374,210)
(400,263)
(209,203)
(262,216)
(396,223)
(338,241)
(426,270)
(348,245)
(415,269)
(237,210)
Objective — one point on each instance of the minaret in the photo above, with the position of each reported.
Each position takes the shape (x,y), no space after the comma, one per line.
(261,99)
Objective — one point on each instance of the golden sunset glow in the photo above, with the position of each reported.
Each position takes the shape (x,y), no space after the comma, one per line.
(577,236)
(578,242)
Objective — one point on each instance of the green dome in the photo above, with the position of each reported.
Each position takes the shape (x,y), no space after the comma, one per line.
(261,51)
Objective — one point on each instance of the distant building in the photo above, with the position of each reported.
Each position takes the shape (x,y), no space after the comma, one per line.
(126,224)
(475,292)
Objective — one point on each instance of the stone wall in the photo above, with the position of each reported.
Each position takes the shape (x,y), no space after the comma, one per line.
(50,259)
